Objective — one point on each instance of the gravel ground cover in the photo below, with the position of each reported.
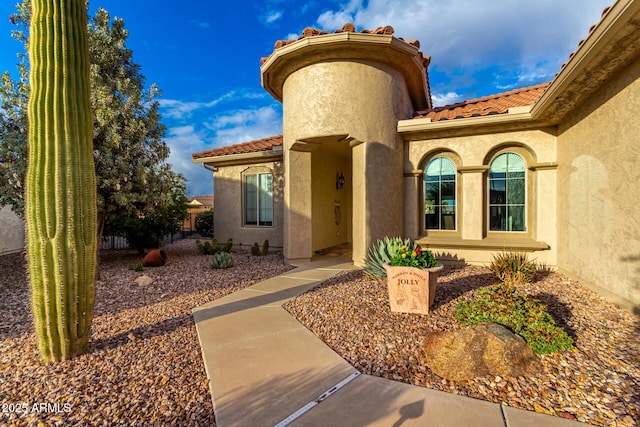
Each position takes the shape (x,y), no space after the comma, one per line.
(144,365)
(597,383)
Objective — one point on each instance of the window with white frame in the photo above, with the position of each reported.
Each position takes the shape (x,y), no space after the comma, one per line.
(507,193)
(258,199)
(440,194)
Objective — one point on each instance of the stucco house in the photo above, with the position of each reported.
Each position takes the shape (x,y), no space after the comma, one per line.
(197,204)
(552,169)
(12,231)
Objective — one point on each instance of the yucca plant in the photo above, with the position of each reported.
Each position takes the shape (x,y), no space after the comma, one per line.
(221,260)
(61,209)
(382,251)
(513,267)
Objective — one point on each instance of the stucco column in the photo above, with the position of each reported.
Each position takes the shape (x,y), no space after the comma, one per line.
(546,207)
(297,212)
(472,181)
(412,181)
(359,215)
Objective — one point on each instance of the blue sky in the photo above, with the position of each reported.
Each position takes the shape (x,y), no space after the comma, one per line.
(205,56)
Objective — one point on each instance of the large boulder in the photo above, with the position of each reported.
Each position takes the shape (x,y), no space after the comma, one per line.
(485,348)
(155,258)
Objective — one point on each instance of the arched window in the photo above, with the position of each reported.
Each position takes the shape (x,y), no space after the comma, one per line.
(507,193)
(440,194)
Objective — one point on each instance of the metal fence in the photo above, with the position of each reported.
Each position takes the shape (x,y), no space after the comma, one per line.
(117,243)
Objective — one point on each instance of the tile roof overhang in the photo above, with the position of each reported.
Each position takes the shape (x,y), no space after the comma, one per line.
(612,44)
(350,46)
(256,151)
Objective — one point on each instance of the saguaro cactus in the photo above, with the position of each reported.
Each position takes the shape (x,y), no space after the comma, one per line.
(61,184)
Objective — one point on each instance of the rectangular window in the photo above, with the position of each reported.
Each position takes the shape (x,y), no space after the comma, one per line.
(258,200)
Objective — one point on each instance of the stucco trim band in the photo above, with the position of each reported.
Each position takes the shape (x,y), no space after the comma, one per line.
(473,169)
(544,166)
(523,244)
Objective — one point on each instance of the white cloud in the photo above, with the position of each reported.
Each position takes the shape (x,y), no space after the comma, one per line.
(442,99)
(272,16)
(234,127)
(245,125)
(179,109)
(201,24)
(332,20)
(183,141)
(528,39)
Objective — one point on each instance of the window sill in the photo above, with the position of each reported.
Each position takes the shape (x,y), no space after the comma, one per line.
(489,243)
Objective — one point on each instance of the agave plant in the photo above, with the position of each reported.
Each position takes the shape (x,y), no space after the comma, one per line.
(221,260)
(382,251)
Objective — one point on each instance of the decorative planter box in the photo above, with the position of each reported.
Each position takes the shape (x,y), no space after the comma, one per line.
(411,290)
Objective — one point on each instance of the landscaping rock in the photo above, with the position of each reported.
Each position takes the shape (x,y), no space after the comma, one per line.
(144,281)
(485,348)
(155,258)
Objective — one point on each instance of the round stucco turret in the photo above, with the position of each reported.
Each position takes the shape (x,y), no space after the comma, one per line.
(342,95)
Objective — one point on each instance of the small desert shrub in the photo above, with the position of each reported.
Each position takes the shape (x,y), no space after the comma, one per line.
(221,260)
(137,266)
(525,316)
(513,267)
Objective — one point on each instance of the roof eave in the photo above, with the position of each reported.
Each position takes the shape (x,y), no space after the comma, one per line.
(242,158)
(386,49)
(615,19)
(412,129)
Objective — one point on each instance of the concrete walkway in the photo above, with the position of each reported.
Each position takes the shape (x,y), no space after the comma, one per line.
(264,366)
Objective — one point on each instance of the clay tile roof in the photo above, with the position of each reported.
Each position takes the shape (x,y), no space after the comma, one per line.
(581,42)
(485,106)
(346,28)
(255,146)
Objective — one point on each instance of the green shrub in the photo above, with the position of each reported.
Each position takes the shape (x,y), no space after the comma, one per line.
(137,266)
(526,317)
(255,249)
(221,260)
(204,223)
(513,267)
(265,248)
(382,251)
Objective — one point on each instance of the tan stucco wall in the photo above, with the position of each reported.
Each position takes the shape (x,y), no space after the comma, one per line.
(599,190)
(474,152)
(11,231)
(360,100)
(227,184)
